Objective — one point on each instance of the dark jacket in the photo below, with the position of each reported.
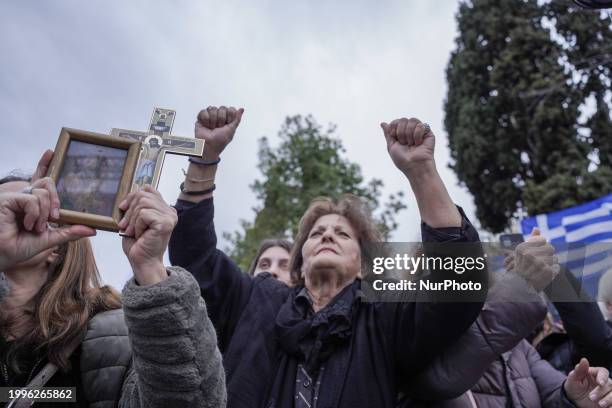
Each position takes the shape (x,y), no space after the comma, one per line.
(491,359)
(587,334)
(386,343)
(162,353)
(512,310)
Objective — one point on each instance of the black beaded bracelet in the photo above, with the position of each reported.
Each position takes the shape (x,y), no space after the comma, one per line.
(199,192)
(202,162)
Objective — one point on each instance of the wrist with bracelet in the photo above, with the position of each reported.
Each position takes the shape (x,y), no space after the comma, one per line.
(206,168)
(197,192)
(203,162)
(196,180)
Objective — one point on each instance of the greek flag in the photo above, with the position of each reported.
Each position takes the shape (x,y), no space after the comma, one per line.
(582,237)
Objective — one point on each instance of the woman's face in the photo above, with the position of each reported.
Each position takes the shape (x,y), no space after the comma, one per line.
(276,261)
(332,250)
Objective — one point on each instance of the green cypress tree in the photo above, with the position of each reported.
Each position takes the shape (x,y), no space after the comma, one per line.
(517,84)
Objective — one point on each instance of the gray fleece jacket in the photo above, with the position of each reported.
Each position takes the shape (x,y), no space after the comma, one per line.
(160,350)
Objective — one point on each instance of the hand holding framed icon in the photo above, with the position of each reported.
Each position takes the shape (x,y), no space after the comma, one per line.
(93,173)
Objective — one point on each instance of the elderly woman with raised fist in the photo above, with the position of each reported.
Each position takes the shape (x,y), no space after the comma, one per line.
(318,344)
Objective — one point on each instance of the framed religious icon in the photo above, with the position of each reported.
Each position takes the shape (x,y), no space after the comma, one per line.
(93,173)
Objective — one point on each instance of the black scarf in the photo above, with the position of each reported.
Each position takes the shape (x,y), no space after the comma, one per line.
(313,337)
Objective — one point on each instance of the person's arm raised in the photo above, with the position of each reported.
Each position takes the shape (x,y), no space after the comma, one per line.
(176,358)
(217,127)
(411,144)
(193,244)
(414,326)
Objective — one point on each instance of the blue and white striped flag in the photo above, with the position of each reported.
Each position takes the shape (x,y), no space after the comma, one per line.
(582,237)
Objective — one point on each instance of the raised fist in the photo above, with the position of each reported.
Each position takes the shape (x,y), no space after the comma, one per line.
(534,260)
(410,143)
(217,126)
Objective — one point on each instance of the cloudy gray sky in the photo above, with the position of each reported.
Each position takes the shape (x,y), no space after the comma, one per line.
(96,65)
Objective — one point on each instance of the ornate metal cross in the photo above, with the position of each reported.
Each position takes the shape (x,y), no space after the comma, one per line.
(156,142)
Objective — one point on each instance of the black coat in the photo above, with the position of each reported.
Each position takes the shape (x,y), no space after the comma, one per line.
(389,342)
(588,334)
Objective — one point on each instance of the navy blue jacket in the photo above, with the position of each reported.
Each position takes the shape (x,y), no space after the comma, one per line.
(390,342)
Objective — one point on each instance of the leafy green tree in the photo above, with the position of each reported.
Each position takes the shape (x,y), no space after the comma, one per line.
(518,84)
(308,163)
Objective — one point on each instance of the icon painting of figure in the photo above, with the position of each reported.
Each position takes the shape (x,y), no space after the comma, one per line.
(90,178)
(148,160)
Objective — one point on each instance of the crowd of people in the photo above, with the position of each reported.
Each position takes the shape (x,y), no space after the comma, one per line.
(296,329)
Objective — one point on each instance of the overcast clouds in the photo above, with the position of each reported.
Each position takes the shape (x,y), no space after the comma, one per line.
(96,65)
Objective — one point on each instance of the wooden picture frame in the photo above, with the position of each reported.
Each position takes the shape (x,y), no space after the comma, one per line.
(93,173)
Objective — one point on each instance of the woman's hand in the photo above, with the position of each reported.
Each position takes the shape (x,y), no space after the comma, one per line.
(410,144)
(24,231)
(589,387)
(44,187)
(147,225)
(534,260)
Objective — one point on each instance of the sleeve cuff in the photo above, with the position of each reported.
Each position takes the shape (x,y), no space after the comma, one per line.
(182,205)
(512,287)
(164,308)
(464,233)
(170,290)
